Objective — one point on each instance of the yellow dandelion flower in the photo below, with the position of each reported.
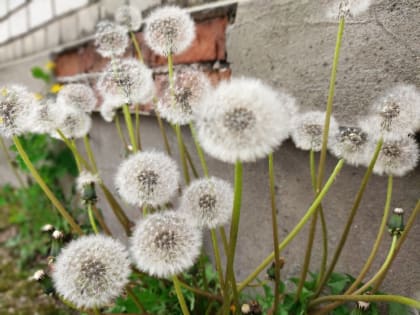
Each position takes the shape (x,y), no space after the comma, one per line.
(50,65)
(55,88)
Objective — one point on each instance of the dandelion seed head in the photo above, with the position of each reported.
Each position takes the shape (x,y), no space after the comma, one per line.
(308,128)
(147,178)
(208,201)
(111,39)
(243,119)
(129,17)
(15,108)
(169,30)
(398,156)
(91,271)
(351,143)
(347,8)
(108,109)
(72,122)
(127,81)
(42,118)
(78,95)
(190,87)
(165,244)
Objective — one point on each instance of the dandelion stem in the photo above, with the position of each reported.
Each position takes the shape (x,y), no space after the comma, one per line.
(217,258)
(10,162)
(199,150)
(76,157)
(76,228)
(92,219)
(136,46)
(137,125)
(321,168)
(297,228)
(181,148)
(180,296)
(96,311)
(73,148)
(90,155)
(135,299)
(190,162)
(200,292)
(119,130)
(129,124)
(352,214)
(164,135)
(101,220)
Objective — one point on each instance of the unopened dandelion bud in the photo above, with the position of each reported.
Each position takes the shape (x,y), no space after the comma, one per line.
(47,228)
(44,280)
(396,222)
(57,235)
(38,275)
(86,186)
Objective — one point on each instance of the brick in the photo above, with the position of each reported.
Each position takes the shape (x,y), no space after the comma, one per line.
(40,11)
(39,39)
(18,23)
(68,29)
(88,18)
(209,45)
(53,34)
(62,7)
(28,45)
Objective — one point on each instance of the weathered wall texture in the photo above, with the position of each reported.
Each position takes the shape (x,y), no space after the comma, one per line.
(290,45)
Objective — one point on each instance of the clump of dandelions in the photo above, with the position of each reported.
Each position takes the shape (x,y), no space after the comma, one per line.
(129,17)
(178,106)
(398,156)
(169,30)
(147,178)
(91,271)
(308,128)
(351,144)
(72,122)
(208,201)
(397,112)
(127,81)
(165,244)
(78,95)
(338,8)
(15,107)
(111,39)
(243,120)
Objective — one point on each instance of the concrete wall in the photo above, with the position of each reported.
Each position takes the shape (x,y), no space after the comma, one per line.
(290,44)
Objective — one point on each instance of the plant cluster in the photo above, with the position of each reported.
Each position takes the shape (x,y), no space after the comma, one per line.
(239,121)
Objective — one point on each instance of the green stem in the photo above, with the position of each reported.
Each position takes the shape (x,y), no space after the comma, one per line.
(322,159)
(90,155)
(190,162)
(352,214)
(129,124)
(164,135)
(171,74)
(224,240)
(76,157)
(76,228)
(119,130)
(275,232)
(96,311)
(136,46)
(73,148)
(137,125)
(234,228)
(135,299)
(180,296)
(324,243)
(181,149)
(297,228)
(10,162)
(378,240)
(199,150)
(200,292)
(101,220)
(368,298)
(382,269)
(217,258)
(92,219)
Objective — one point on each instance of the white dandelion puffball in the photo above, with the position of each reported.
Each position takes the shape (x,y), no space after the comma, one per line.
(109,108)
(16,104)
(128,16)
(179,106)
(111,39)
(397,112)
(398,156)
(78,95)
(127,81)
(72,122)
(351,144)
(338,8)
(149,178)
(86,178)
(243,120)
(165,244)
(42,117)
(209,201)
(91,271)
(169,30)
(308,128)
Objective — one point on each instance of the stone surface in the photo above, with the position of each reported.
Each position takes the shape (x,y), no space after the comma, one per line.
(68,28)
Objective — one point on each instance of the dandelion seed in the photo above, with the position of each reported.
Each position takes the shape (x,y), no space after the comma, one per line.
(165,244)
(351,144)
(127,81)
(308,128)
(398,156)
(80,96)
(147,178)
(15,108)
(244,120)
(169,30)
(208,201)
(179,106)
(111,39)
(91,271)
(129,17)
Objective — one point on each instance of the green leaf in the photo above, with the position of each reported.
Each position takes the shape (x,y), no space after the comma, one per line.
(39,73)
(398,309)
